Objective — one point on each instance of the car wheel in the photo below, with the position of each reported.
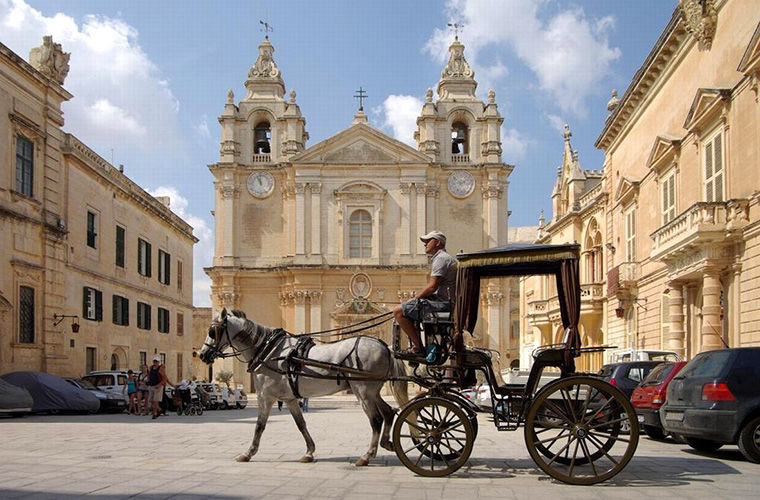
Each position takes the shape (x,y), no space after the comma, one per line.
(749,440)
(703,444)
(654,432)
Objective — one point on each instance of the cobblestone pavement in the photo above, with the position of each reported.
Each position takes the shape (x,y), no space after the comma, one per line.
(120,456)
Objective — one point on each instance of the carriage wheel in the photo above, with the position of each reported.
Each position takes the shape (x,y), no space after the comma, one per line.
(199,410)
(573,430)
(433,437)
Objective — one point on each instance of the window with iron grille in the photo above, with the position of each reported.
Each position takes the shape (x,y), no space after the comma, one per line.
(26,315)
(121,234)
(92,304)
(164,267)
(120,310)
(24,166)
(143,257)
(163,320)
(143,316)
(92,229)
(713,161)
(360,234)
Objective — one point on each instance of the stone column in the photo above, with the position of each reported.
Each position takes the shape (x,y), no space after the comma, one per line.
(491,195)
(712,327)
(315,310)
(228,209)
(299,297)
(676,334)
(299,219)
(420,207)
(316,219)
(406,209)
(493,299)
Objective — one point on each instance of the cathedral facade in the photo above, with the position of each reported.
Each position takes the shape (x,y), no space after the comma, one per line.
(313,237)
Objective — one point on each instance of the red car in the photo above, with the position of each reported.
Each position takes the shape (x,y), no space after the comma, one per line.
(649,396)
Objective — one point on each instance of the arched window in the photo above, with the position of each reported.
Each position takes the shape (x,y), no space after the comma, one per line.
(593,253)
(360,234)
(262,135)
(459,139)
(114,361)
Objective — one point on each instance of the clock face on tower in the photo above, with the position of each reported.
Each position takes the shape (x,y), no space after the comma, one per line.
(461,183)
(260,184)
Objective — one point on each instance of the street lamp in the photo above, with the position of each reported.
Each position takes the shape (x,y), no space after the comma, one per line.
(60,317)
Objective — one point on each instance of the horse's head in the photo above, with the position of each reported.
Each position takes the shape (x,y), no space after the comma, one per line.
(220,334)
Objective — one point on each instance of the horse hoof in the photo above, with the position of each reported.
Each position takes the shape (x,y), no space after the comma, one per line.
(306,459)
(388,446)
(242,458)
(362,462)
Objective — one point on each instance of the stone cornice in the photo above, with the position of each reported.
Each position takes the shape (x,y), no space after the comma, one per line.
(96,164)
(28,69)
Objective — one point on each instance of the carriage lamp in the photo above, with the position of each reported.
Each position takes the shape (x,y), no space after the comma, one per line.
(60,317)
(620,311)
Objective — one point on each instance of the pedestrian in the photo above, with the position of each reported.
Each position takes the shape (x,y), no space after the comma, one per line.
(132,393)
(143,394)
(157,380)
(305,405)
(279,405)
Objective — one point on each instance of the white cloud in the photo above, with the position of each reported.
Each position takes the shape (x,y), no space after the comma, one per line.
(513,144)
(110,75)
(399,114)
(556,122)
(568,53)
(202,128)
(203,251)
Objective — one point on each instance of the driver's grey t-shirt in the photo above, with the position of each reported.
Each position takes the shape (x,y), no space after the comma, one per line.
(444,267)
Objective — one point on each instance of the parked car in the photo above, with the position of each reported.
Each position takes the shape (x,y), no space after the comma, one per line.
(627,375)
(241,398)
(715,400)
(649,396)
(52,394)
(642,355)
(111,382)
(108,402)
(14,400)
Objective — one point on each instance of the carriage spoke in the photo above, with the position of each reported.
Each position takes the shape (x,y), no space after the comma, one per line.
(568,406)
(572,462)
(609,436)
(608,423)
(556,455)
(422,452)
(589,457)
(553,439)
(603,449)
(557,410)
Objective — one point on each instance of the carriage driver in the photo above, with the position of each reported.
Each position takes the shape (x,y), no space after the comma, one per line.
(436,296)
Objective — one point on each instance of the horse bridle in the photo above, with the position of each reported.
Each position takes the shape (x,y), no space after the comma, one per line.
(215,352)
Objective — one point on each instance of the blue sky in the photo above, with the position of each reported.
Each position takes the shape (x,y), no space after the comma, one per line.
(150,78)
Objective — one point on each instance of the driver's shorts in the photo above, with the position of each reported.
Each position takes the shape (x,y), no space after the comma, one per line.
(415,309)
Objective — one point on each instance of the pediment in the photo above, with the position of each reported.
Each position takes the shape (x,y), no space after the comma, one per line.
(360,144)
(706,101)
(751,58)
(664,149)
(627,190)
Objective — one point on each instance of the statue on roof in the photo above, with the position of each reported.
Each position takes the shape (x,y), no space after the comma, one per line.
(50,59)
(457,66)
(264,67)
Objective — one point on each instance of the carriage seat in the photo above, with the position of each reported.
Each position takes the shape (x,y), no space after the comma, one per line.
(437,317)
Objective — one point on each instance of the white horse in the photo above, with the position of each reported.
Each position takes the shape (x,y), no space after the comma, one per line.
(266,350)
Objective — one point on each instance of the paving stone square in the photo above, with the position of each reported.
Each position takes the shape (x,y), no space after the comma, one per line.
(190,457)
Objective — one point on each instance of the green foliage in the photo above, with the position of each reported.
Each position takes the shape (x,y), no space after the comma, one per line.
(224,377)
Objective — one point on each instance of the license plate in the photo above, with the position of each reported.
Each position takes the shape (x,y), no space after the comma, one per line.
(674,415)
(640,418)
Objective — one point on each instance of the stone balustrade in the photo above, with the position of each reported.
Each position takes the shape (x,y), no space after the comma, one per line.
(460,158)
(262,158)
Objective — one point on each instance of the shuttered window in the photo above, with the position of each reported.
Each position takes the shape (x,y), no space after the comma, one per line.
(669,197)
(143,257)
(92,304)
(120,310)
(713,160)
(120,245)
(24,166)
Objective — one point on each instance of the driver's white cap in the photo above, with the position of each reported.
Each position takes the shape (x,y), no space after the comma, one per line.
(157,358)
(434,235)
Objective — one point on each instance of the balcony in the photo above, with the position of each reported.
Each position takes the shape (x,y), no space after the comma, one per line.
(592,296)
(702,223)
(262,158)
(460,158)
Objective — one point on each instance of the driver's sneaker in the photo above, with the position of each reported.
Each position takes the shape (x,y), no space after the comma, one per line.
(412,353)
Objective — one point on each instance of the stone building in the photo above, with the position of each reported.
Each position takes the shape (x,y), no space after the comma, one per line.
(96,273)
(309,238)
(679,200)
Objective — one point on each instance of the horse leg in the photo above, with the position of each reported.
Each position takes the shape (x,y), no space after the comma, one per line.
(295,411)
(388,416)
(369,405)
(265,406)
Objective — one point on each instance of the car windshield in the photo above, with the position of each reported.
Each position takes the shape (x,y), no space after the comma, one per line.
(707,364)
(658,374)
(86,384)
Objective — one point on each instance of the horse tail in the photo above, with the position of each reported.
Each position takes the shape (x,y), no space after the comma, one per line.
(399,385)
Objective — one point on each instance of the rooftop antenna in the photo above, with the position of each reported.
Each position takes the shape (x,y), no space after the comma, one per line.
(456,28)
(266,28)
(361,94)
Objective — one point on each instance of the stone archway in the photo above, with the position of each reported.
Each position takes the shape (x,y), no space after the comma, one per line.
(119,359)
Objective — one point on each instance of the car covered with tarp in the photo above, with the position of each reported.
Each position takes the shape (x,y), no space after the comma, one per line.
(14,400)
(53,394)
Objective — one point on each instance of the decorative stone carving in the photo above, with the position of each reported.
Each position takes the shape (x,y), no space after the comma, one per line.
(492,298)
(292,96)
(491,97)
(360,285)
(265,67)
(228,191)
(457,66)
(230,97)
(405,295)
(314,296)
(700,18)
(429,95)
(491,192)
(340,295)
(359,152)
(613,103)
(316,187)
(50,59)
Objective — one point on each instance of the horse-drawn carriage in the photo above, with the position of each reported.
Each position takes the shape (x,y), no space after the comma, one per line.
(572,426)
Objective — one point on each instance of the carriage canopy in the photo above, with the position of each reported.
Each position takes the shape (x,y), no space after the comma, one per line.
(521,259)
